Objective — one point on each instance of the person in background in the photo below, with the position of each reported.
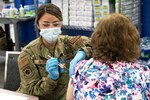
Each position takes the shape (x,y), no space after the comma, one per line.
(112,73)
(1,4)
(3,40)
(44,62)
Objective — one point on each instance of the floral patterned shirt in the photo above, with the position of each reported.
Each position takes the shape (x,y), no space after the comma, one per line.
(95,80)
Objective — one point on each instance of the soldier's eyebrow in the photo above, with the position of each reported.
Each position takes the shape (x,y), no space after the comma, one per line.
(45,21)
(51,22)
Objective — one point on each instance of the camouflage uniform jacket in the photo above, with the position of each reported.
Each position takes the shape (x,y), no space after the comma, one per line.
(35,79)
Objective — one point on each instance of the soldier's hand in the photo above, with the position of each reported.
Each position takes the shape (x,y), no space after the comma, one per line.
(52,68)
(80,55)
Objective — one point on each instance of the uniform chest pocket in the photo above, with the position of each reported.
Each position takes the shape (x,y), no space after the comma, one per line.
(42,70)
(40,64)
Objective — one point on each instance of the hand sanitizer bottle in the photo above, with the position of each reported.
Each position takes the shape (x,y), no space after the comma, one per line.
(11,12)
(21,11)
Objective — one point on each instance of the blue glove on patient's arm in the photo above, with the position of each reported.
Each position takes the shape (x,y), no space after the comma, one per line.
(80,55)
(52,68)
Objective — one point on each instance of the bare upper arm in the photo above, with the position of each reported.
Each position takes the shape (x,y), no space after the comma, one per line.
(70,92)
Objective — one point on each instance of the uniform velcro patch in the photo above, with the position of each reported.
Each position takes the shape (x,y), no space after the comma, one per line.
(23,62)
(40,61)
(75,39)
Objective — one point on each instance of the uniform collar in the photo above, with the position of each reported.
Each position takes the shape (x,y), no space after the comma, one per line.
(58,49)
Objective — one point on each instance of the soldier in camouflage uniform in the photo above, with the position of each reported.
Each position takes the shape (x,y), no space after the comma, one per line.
(3,40)
(35,78)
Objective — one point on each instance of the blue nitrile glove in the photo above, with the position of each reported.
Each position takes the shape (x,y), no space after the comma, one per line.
(52,68)
(80,55)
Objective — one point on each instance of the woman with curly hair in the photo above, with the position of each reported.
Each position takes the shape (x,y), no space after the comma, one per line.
(112,73)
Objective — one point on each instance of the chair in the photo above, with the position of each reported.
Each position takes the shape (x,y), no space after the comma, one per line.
(11,76)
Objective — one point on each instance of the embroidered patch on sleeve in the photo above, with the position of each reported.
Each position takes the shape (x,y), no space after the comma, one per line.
(28,72)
